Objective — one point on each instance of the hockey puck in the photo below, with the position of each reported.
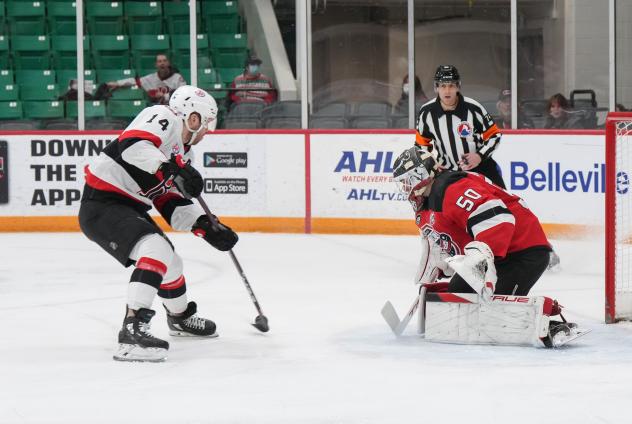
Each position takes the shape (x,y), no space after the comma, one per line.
(261,324)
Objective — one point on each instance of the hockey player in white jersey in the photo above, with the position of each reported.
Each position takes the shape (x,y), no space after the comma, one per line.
(149,164)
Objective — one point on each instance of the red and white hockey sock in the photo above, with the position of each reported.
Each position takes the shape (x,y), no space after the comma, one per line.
(144,283)
(174,295)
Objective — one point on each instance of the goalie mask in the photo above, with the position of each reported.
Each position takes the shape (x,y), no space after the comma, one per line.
(413,171)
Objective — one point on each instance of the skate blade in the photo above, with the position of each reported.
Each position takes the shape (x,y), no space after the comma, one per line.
(178,333)
(133,353)
(562,339)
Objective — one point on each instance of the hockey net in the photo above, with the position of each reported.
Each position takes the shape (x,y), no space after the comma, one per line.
(618,217)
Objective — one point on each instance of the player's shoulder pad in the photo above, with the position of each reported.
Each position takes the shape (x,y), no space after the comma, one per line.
(440,185)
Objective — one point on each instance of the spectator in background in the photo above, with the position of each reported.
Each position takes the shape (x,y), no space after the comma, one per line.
(504,112)
(420,96)
(252,85)
(158,85)
(620,108)
(559,115)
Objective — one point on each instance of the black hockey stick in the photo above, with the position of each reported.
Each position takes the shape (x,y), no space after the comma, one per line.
(261,322)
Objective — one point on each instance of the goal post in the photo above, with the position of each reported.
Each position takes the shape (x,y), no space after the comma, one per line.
(618,214)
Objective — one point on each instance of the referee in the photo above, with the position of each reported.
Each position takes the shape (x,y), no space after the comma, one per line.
(458,128)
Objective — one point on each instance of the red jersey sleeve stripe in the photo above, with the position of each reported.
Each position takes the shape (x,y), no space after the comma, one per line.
(145,135)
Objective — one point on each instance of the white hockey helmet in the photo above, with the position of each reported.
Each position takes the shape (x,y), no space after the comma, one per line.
(189,99)
(413,171)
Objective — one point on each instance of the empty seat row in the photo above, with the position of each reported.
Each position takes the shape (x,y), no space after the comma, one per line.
(114,51)
(133,17)
(58,109)
(336,115)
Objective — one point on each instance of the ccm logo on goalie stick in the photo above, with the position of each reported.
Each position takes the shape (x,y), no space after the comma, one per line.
(512,299)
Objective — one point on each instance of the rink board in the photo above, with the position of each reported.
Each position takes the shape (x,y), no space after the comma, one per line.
(308,181)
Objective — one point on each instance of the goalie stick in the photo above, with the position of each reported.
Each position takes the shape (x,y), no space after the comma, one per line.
(392,319)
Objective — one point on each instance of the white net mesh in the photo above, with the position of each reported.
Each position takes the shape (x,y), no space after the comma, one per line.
(623,220)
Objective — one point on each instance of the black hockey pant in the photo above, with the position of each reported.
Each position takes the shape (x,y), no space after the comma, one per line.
(517,272)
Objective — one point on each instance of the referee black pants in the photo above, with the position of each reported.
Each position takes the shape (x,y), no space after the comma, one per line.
(490,169)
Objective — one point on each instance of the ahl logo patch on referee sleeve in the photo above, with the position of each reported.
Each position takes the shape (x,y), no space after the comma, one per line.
(464,129)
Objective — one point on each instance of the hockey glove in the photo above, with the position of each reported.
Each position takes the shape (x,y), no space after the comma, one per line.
(218,235)
(477,268)
(185,177)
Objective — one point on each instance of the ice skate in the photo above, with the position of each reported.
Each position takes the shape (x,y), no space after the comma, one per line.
(136,343)
(189,324)
(562,332)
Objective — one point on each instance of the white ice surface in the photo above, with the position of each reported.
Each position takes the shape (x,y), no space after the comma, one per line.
(329,357)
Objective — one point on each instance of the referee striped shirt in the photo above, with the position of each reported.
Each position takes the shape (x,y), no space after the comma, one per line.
(466,129)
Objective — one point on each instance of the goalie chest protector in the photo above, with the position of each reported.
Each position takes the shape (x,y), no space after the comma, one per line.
(463,207)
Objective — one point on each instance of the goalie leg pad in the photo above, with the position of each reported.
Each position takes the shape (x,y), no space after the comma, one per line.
(504,320)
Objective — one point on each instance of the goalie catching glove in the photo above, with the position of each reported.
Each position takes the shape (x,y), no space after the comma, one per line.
(185,177)
(477,268)
(218,235)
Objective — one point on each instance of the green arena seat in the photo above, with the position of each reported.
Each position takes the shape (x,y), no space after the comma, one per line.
(30,52)
(92,109)
(146,47)
(181,55)
(11,110)
(107,75)
(35,77)
(143,17)
(227,75)
(64,51)
(222,17)
(229,50)
(128,93)
(176,15)
(3,26)
(111,51)
(217,90)
(26,18)
(39,92)
(230,59)
(220,8)
(105,18)
(4,52)
(228,42)
(9,92)
(62,17)
(43,109)
(6,77)
(65,75)
(125,108)
(208,77)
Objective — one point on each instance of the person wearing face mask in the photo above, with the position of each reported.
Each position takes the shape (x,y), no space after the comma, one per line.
(252,85)
(149,164)
(158,85)
(420,97)
(458,128)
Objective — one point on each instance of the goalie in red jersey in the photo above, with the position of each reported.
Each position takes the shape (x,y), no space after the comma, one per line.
(469,221)
(489,243)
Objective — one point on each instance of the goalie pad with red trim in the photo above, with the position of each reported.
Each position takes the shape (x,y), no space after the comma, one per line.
(503,320)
